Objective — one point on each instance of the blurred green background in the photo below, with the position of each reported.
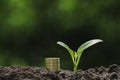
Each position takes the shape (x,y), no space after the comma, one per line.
(29,30)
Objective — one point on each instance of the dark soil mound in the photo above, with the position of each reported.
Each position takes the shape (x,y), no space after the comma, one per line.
(37,73)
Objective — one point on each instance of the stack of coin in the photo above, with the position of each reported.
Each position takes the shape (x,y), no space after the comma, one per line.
(52,64)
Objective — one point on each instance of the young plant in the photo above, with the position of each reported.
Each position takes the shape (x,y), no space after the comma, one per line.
(76,55)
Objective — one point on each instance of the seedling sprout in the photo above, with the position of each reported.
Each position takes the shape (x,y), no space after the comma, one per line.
(76,55)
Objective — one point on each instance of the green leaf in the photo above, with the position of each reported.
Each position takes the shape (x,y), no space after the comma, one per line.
(88,44)
(68,49)
(63,44)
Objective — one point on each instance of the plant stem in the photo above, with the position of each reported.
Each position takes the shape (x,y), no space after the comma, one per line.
(75,68)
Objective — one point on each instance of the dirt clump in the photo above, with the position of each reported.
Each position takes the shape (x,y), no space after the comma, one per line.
(42,73)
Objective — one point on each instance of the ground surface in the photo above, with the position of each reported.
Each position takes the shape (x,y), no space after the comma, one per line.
(37,73)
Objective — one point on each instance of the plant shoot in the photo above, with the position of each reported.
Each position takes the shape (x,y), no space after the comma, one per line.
(76,55)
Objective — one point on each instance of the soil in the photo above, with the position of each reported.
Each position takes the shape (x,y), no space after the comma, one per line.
(41,73)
